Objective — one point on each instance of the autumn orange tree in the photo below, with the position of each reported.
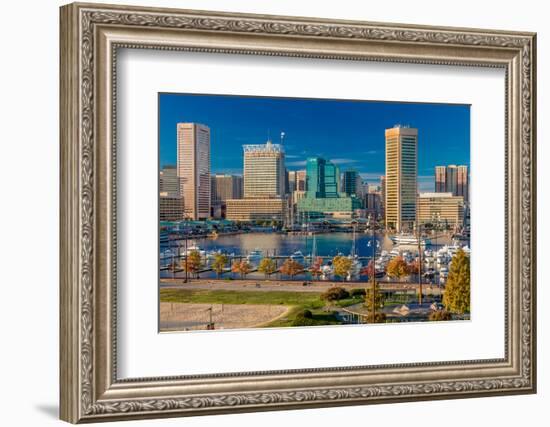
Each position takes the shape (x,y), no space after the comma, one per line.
(291,267)
(192,263)
(241,267)
(397,268)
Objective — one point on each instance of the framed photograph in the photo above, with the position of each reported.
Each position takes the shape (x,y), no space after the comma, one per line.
(265,213)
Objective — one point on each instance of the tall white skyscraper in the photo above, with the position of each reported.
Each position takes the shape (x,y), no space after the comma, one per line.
(193,166)
(264,171)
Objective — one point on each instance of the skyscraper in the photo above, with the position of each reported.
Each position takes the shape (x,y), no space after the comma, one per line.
(264,171)
(226,187)
(401,177)
(322,178)
(452,179)
(169,181)
(291,178)
(463,182)
(193,168)
(264,185)
(351,182)
(451,183)
(301,180)
(440,179)
(222,189)
(322,196)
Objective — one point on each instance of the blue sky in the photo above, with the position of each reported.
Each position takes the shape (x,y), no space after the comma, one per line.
(350,133)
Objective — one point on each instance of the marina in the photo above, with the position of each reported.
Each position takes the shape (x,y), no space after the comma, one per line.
(309,250)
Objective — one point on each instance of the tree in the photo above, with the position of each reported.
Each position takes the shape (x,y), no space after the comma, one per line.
(342,266)
(220,261)
(291,268)
(335,294)
(315,267)
(267,266)
(398,268)
(193,263)
(456,298)
(439,315)
(241,267)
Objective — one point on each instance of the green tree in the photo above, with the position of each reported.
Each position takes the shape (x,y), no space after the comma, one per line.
(398,268)
(334,294)
(267,266)
(456,298)
(342,266)
(192,263)
(220,261)
(291,268)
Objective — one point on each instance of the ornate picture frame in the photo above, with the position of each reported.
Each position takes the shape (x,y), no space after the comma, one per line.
(90,37)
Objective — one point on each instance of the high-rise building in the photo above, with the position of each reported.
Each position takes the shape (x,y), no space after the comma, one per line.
(440,179)
(291,178)
(322,196)
(223,188)
(301,180)
(168,180)
(444,208)
(352,183)
(452,179)
(373,204)
(383,192)
(170,206)
(463,182)
(322,178)
(264,185)
(193,168)
(401,177)
(451,183)
(264,171)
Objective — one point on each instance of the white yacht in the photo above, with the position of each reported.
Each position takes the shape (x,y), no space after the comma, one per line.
(356,266)
(409,240)
(254,256)
(195,248)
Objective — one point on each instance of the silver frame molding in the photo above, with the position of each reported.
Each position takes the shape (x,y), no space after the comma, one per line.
(90,37)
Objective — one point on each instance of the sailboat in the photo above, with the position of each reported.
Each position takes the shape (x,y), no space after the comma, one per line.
(355,263)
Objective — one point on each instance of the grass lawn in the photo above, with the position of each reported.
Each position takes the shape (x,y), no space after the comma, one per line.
(298,301)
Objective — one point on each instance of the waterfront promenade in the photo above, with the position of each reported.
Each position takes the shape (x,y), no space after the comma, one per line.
(292,285)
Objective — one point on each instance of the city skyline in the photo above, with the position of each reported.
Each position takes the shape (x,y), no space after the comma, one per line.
(236,121)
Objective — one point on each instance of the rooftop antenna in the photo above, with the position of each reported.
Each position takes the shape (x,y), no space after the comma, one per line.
(282,137)
(269,135)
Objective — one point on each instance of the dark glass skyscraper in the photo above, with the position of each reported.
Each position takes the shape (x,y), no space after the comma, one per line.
(323,178)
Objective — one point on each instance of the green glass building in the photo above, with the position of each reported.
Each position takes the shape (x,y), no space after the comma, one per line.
(322,191)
